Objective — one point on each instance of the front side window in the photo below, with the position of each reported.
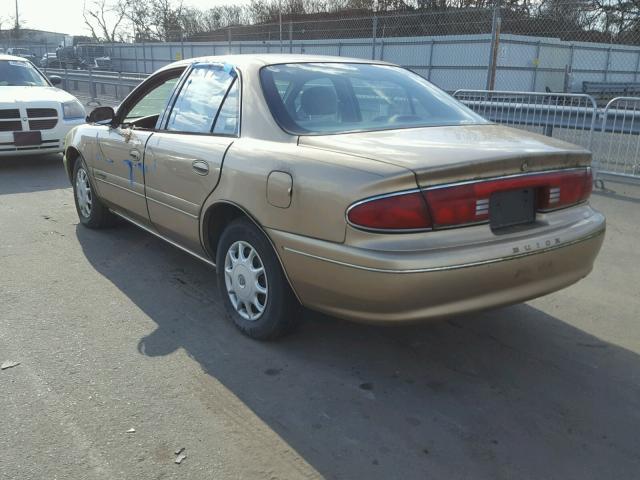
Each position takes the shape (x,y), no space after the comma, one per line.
(20,74)
(152,103)
(320,98)
(199,102)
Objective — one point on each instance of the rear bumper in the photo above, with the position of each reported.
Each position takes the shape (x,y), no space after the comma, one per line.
(379,287)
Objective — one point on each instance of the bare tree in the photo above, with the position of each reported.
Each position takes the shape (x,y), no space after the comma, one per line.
(169,20)
(103,18)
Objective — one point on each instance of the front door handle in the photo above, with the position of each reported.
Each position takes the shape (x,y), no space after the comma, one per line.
(200,167)
(135,155)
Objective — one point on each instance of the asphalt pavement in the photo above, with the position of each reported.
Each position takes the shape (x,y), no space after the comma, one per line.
(125,358)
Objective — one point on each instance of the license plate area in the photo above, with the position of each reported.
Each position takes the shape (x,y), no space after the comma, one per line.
(513,207)
(27,139)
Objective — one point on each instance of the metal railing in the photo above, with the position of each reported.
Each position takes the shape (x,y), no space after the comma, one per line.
(569,117)
(618,151)
(96,87)
(611,133)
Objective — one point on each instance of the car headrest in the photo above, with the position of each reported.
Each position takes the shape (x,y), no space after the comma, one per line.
(319,101)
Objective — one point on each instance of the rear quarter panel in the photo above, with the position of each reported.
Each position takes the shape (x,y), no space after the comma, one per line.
(324,185)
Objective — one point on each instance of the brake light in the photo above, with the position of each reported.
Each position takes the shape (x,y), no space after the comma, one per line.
(458,205)
(565,189)
(403,211)
(467,203)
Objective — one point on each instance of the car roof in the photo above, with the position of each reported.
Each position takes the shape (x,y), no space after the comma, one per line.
(263,59)
(12,57)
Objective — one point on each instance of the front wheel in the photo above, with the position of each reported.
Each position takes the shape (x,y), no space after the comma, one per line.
(91,211)
(256,294)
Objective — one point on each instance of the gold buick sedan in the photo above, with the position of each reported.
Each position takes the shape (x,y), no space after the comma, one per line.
(347,186)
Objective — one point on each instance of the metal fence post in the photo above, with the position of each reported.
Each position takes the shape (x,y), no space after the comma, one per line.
(144,57)
(606,68)
(495,42)
(430,65)
(280,29)
(535,69)
(569,82)
(92,88)
(290,36)
(229,37)
(373,37)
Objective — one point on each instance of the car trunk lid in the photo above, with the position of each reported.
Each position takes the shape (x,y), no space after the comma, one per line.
(446,154)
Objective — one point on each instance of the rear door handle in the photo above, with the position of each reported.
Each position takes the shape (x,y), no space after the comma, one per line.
(200,167)
(135,155)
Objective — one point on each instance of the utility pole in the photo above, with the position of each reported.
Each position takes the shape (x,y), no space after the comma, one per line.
(17,18)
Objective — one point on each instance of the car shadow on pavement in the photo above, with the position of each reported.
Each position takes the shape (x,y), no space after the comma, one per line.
(32,174)
(626,192)
(509,393)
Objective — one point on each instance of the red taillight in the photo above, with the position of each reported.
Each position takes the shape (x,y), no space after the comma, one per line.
(458,205)
(468,202)
(564,189)
(405,211)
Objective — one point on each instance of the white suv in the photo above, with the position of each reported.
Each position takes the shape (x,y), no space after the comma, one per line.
(35,116)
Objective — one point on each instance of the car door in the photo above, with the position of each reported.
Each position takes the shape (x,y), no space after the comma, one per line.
(119,167)
(184,157)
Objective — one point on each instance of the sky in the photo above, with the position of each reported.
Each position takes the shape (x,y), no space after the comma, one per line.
(65,16)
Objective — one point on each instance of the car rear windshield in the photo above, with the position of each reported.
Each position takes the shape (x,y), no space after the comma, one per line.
(321,98)
(19,73)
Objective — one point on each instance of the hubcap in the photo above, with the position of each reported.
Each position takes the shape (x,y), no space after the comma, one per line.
(83,193)
(246,280)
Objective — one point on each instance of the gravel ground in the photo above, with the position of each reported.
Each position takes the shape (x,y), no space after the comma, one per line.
(115,330)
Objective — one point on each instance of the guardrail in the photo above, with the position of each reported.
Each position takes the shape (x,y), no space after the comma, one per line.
(569,116)
(98,85)
(610,89)
(612,133)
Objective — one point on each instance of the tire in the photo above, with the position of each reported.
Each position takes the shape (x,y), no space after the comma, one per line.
(240,287)
(91,211)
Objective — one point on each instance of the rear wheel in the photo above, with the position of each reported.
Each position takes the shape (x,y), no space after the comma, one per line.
(256,294)
(91,211)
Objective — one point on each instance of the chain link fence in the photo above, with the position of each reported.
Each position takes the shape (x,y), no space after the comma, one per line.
(560,46)
(573,59)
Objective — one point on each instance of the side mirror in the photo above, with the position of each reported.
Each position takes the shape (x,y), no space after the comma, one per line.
(101,114)
(55,79)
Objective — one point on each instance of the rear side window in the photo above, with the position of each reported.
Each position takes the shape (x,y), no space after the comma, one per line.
(200,100)
(228,121)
